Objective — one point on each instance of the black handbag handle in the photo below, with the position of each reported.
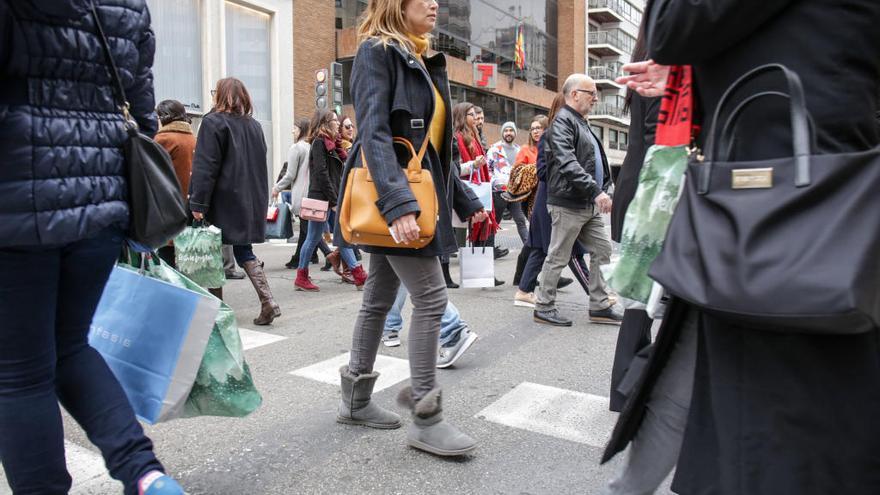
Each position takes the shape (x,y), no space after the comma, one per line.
(799,117)
(118,88)
(728,139)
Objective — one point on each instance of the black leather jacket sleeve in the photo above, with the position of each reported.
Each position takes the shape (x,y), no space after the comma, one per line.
(563,148)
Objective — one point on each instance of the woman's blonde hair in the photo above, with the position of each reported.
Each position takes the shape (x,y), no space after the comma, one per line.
(384,20)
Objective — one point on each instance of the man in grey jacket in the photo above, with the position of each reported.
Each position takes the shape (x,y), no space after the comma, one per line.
(578,177)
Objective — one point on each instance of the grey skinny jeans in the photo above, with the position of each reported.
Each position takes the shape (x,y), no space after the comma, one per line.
(423,277)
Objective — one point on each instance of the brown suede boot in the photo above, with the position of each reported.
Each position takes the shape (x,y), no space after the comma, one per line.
(218,292)
(269,310)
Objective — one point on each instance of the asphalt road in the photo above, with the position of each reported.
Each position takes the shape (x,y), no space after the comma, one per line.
(534,396)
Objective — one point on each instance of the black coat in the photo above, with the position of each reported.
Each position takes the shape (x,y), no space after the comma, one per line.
(643,117)
(393,97)
(62,173)
(571,161)
(325,173)
(775,412)
(230,181)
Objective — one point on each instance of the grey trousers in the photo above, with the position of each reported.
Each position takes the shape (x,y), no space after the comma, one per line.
(569,225)
(423,277)
(655,448)
(228,258)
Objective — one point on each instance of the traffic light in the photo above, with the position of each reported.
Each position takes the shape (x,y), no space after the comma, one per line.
(336,86)
(321,90)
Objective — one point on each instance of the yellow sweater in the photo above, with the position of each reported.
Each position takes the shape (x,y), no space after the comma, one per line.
(437,129)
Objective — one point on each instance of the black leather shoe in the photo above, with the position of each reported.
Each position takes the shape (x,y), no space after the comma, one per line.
(498,282)
(607,316)
(293,263)
(552,317)
(501,252)
(564,282)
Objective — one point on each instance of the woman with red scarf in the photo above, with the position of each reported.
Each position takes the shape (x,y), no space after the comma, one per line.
(326,161)
(474,168)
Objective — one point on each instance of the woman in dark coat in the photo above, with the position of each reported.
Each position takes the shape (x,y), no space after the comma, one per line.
(63,219)
(229,184)
(401,91)
(325,178)
(773,412)
(635,330)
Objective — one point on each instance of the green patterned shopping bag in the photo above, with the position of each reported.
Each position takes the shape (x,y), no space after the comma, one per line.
(647,219)
(198,252)
(224,385)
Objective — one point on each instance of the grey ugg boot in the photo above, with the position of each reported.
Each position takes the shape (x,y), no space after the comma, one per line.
(429,431)
(356,408)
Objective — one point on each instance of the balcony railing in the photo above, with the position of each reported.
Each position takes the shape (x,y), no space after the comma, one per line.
(621,8)
(613,37)
(609,109)
(606,71)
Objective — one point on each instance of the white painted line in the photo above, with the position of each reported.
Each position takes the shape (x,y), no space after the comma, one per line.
(391,371)
(279,243)
(251,339)
(87,469)
(560,413)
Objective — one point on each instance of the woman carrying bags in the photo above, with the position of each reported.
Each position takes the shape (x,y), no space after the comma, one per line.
(297,179)
(229,183)
(325,175)
(474,168)
(401,92)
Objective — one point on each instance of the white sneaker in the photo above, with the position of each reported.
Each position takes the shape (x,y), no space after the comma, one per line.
(524,299)
(391,339)
(449,355)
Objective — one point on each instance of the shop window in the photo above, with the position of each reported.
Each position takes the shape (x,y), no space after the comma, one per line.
(248,58)
(177,69)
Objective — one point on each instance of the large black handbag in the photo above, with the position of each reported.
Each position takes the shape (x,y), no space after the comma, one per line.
(789,244)
(157,210)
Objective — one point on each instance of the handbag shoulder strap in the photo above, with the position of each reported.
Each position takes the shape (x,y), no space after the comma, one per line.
(118,88)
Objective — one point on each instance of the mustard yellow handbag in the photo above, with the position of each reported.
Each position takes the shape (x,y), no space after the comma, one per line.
(361,222)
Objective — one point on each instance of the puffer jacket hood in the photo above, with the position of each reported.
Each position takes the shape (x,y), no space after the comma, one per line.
(62,178)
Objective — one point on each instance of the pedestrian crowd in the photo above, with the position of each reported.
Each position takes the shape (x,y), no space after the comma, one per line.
(739,399)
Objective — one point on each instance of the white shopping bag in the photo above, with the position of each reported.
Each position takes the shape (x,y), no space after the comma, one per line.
(477,266)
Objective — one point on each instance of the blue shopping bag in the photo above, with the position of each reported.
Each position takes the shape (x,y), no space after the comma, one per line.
(152,335)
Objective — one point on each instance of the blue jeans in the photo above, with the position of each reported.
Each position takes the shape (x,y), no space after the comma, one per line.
(313,237)
(243,253)
(451,324)
(47,299)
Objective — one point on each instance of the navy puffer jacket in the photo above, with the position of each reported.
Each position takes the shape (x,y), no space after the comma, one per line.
(62,174)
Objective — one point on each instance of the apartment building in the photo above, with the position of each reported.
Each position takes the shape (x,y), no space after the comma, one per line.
(612,27)
(276,46)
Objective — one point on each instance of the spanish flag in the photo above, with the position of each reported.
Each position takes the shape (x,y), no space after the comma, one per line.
(520,48)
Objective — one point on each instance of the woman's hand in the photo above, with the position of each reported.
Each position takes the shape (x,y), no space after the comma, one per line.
(647,78)
(479,161)
(274,193)
(198,216)
(405,229)
(480,216)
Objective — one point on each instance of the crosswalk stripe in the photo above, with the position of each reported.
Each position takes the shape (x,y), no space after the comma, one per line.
(391,371)
(87,469)
(251,339)
(560,413)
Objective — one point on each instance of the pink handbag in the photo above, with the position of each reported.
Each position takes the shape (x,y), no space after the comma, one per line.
(314,210)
